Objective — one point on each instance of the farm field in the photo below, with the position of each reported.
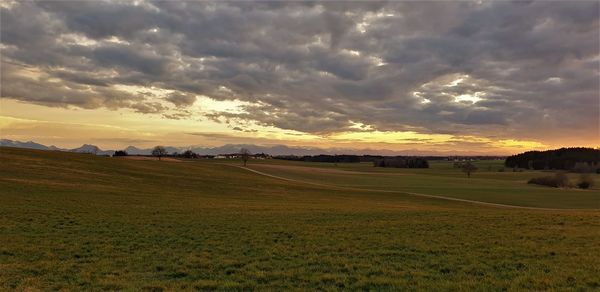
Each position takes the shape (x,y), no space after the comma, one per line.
(80,222)
(487,184)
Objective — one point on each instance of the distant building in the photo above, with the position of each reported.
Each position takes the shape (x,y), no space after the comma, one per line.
(237,155)
(228,156)
(261,156)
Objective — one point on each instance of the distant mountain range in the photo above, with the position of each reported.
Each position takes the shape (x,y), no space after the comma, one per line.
(29,145)
(235,148)
(132,150)
(85,148)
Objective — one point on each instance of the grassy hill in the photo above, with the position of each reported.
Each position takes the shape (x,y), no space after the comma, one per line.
(81,222)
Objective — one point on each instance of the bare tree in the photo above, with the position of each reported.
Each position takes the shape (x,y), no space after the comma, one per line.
(245,153)
(468,168)
(159,151)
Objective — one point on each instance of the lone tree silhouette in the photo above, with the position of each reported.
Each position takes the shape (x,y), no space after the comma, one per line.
(245,155)
(159,152)
(468,168)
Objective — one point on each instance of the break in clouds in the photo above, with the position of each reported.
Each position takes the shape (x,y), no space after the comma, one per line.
(512,69)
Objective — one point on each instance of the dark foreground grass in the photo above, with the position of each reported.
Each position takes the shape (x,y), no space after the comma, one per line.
(79,222)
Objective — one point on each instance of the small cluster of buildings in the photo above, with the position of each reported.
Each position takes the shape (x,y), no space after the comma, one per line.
(238,155)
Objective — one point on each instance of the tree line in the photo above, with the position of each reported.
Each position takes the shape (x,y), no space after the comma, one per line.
(377,160)
(160,151)
(322,158)
(402,162)
(578,159)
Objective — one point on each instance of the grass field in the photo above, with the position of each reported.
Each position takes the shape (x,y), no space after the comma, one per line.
(80,222)
(487,184)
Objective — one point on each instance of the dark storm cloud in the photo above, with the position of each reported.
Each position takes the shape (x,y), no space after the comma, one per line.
(314,67)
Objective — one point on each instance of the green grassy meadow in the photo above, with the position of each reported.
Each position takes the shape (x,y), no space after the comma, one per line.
(487,184)
(80,222)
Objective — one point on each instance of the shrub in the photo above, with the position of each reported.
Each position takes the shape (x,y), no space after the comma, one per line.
(558,180)
(585,181)
(120,153)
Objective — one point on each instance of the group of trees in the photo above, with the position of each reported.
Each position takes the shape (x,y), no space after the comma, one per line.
(189,154)
(578,158)
(402,162)
(561,180)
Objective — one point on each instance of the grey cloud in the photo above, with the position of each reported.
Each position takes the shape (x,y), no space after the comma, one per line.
(307,66)
(123,140)
(100,19)
(129,57)
(181,100)
(148,107)
(244,130)
(177,115)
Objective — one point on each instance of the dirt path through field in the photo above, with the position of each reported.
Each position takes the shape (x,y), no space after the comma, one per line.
(408,193)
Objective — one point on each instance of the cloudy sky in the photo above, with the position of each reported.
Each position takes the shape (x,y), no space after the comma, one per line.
(472,76)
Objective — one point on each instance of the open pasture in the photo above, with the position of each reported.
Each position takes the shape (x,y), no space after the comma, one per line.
(79,222)
(487,184)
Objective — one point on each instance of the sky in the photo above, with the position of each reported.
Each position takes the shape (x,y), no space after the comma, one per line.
(492,77)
